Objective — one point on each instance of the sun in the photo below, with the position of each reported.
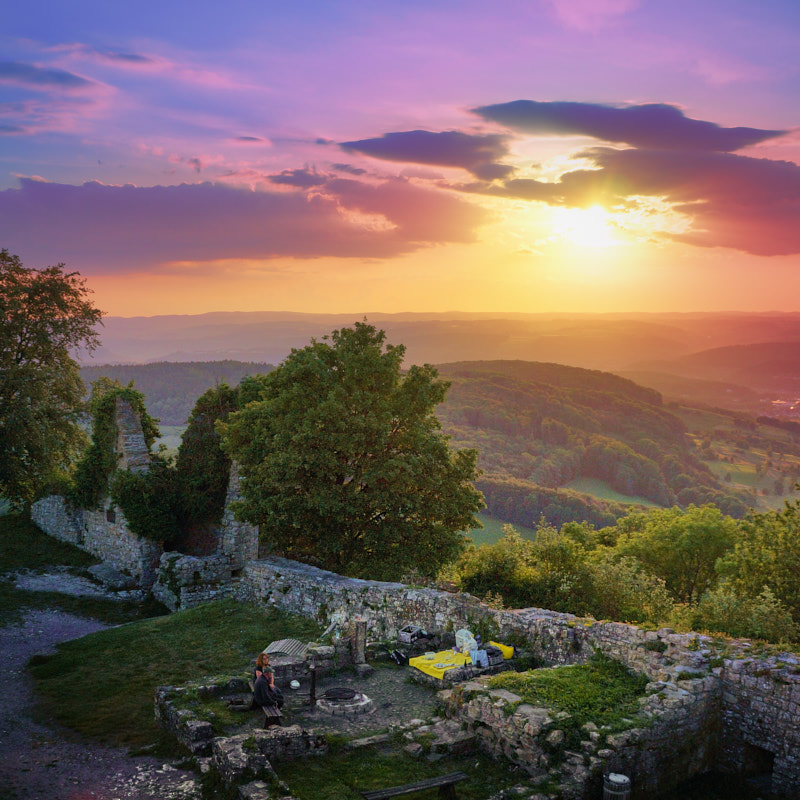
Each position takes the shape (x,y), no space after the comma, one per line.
(586,227)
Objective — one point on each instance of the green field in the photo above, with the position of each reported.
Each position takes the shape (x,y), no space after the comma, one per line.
(603,491)
(170,437)
(492,530)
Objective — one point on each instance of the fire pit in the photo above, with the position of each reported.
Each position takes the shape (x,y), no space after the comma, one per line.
(344,701)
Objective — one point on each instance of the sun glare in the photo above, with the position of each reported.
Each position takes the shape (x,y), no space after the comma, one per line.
(585,227)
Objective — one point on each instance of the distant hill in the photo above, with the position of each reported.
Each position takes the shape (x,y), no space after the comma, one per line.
(610,342)
(698,390)
(761,366)
(171,389)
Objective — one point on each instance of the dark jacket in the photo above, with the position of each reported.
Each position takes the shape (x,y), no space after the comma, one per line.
(264,694)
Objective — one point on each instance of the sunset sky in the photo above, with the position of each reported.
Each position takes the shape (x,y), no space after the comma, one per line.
(353,156)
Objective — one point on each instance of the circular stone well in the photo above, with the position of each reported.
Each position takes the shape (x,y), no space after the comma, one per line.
(344,701)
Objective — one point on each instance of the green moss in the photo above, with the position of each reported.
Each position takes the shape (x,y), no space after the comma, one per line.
(603,691)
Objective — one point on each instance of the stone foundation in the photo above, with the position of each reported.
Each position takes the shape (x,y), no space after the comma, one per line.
(674,736)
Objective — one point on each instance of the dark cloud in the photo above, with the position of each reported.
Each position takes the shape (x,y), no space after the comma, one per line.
(8,130)
(301,178)
(128,58)
(40,77)
(249,139)
(105,229)
(349,168)
(478,154)
(653,126)
(749,204)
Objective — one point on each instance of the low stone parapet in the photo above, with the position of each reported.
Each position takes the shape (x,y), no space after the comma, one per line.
(247,756)
(178,710)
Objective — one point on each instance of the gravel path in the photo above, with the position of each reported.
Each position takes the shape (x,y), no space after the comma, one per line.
(43,762)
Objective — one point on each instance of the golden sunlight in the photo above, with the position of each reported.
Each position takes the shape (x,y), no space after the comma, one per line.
(586,227)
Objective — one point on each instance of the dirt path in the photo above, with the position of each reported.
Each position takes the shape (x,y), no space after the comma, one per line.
(42,762)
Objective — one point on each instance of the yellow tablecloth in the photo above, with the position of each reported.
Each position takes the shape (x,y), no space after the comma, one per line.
(440,663)
(506,649)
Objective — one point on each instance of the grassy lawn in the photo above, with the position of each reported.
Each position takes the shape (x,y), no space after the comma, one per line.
(103,684)
(492,530)
(24,547)
(603,491)
(343,776)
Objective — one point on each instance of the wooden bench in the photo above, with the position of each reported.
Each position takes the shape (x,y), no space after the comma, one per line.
(272,716)
(444,783)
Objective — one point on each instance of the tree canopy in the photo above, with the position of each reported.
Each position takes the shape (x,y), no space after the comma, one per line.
(45,315)
(344,463)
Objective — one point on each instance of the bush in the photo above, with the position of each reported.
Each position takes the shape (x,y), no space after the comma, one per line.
(723,610)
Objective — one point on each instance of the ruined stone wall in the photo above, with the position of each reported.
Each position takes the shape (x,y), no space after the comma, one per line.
(239,540)
(186,581)
(103,533)
(57,519)
(674,736)
(761,719)
(132,451)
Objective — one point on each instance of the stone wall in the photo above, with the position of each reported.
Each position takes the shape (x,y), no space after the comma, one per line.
(133,453)
(57,519)
(239,540)
(103,533)
(761,719)
(673,736)
(186,581)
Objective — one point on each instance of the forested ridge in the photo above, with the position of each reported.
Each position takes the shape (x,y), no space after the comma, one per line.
(537,427)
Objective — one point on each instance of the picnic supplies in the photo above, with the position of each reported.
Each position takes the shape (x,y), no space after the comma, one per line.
(442,663)
(465,641)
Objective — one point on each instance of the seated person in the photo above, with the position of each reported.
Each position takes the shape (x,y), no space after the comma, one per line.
(265,693)
(262,666)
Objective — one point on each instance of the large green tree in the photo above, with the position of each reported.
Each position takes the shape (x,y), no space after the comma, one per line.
(679,546)
(344,463)
(45,316)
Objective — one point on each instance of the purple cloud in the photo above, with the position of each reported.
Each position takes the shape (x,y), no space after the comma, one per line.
(655,126)
(477,154)
(33,77)
(349,168)
(100,228)
(300,178)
